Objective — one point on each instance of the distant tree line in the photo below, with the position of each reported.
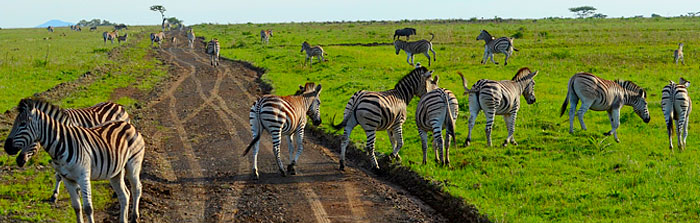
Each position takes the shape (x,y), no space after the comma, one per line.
(95,22)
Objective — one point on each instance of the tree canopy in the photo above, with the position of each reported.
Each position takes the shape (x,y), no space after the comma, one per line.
(583,11)
(159,8)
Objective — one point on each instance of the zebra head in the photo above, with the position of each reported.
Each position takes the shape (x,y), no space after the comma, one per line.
(432,84)
(398,44)
(269,31)
(484,35)
(304,45)
(637,98)
(314,110)
(417,82)
(527,78)
(23,133)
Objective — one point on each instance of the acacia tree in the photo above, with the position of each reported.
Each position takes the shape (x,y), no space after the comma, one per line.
(583,11)
(161,9)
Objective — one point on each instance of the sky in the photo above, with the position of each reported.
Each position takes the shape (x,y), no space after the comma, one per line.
(30,13)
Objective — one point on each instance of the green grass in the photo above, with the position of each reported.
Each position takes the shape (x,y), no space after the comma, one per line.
(23,190)
(552,175)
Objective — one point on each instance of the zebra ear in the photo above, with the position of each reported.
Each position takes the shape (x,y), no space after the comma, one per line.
(436,79)
(427,74)
(532,75)
(318,89)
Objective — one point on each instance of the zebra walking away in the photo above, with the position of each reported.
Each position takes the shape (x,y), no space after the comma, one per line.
(85,117)
(311,52)
(501,45)
(265,35)
(109,36)
(109,151)
(284,116)
(190,37)
(678,54)
(157,38)
(412,48)
(599,94)
(500,98)
(407,32)
(436,110)
(213,48)
(383,110)
(676,105)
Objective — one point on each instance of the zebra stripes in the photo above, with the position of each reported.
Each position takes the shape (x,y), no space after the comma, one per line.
(500,98)
(284,116)
(412,48)
(311,52)
(108,151)
(382,110)
(678,54)
(121,39)
(492,46)
(265,35)
(50,28)
(676,105)
(190,37)
(599,94)
(157,38)
(213,48)
(109,36)
(437,109)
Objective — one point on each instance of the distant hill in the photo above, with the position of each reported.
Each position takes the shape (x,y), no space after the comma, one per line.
(54,23)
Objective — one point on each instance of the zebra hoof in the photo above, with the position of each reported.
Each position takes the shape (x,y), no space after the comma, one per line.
(291,169)
(255,176)
(514,143)
(284,174)
(342,166)
(496,63)
(53,199)
(505,144)
(467,142)
(606,133)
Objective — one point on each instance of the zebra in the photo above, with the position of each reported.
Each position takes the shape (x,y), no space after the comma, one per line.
(265,35)
(383,110)
(311,52)
(599,94)
(50,28)
(94,28)
(110,36)
(500,98)
(407,32)
(85,117)
(173,40)
(111,151)
(678,54)
(676,105)
(190,37)
(157,37)
(123,38)
(492,45)
(412,48)
(437,109)
(213,48)
(284,116)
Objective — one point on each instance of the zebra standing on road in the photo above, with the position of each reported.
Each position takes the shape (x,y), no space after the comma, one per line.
(213,51)
(85,117)
(500,98)
(599,94)
(121,39)
(50,28)
(676,105)
(109,151)
(284,116)
(311,52)
(265,35)
(407,32)
(157,38)
(501,45)
(382,110)
(678,54)
(437,109)
(109,36)
(190,38)
(412,48)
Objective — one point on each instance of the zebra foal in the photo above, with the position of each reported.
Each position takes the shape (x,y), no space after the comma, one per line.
(676,105)
(436,110)
(492,46)
(311,52)
(412,48)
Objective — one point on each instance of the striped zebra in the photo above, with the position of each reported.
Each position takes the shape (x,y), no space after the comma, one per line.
(50,28)
(500,98)
(108,151)
(121,39)
(190,38)
(311,52)
(85,117)
(157,38)
(678,54)
(213,48)
(676,105)
(382,110)
(284,116)
(265,35)
(501,45)
(437,109)
(109,36)
(412,48)
(599,94)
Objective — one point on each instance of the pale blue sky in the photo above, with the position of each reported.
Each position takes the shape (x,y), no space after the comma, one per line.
(30,13)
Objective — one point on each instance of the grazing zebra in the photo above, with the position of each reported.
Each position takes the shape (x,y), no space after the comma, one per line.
(407,32)
(213,48)
(311,52)
(94,28)
(284,116)
(109,36)
(599,94)
(50,28)
(678,54)
(108,151)
(383,110)
(122,38)
(86,117)
(190,37)
(265,35)
(500,98)
(157,37)
(412,48)
(501,45)
(437,109)
(676,105)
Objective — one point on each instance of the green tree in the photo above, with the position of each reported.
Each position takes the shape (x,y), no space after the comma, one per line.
(161,9)
(583,11)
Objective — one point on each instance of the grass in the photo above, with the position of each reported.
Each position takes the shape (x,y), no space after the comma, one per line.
(551,175)
(23,190)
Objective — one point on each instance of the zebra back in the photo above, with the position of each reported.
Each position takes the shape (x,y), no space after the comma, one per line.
(439,105)
(213,47)
(311,51)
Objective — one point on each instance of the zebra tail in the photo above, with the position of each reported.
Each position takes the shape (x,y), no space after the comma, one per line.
(432,37)
(257,137)
(450,119)
(255,140)
(339,126)
(516,49)
(464,83)
(566,100)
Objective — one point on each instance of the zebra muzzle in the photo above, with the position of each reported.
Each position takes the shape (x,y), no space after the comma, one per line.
(10,147)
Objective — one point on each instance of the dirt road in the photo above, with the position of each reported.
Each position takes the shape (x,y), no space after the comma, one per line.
(197,127)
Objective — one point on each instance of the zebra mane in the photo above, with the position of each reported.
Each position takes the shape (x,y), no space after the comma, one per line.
(417,71)
(631,86)
(522,74)
(307,88)
(35,102)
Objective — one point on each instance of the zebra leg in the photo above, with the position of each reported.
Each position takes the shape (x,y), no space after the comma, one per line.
(73,189)
(398,139)
(473,113)
(256,148)
(344,144)
(392,140)
(86,192)
(510,124)
(276,150)
(679,133)
(290,146)
(582,111)
(118,185)
(300,146)
(685,126)
(54,196)
(491,56)
(573,100)
(506,61)
(614,116)
(448,138)
(438,145)
(428,56)
(133,173)
(408,57)
(490,115)
(669,129)
(424,144)
(371,135)
(486,55)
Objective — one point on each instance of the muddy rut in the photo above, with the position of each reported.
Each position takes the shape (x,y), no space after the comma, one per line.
(197,127)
